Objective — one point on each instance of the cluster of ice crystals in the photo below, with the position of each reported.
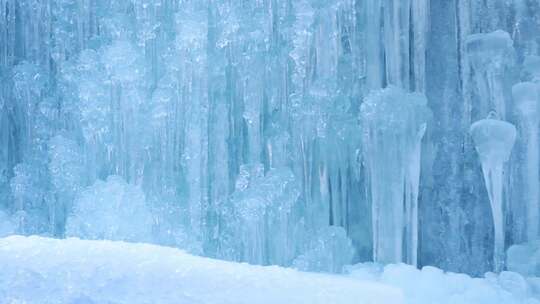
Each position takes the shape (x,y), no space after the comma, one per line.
(112,210)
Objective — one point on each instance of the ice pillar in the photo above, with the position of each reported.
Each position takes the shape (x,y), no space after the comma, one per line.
(394,125)
(494,140)
(526,98)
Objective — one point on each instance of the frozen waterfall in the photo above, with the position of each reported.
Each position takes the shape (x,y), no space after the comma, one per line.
(312,134)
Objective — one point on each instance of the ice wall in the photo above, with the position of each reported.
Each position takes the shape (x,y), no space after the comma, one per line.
(183,99)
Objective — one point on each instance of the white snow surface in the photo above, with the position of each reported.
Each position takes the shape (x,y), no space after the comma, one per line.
(43,270)
(431,285)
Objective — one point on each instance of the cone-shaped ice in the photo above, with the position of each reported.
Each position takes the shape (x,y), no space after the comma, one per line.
(526,98)
(494,140)
(394,124)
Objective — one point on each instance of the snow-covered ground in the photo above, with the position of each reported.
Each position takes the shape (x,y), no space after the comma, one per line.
(43,270)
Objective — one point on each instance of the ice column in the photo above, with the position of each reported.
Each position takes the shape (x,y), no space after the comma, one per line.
(494,140)
(490,54)
(394,123)
(526,98)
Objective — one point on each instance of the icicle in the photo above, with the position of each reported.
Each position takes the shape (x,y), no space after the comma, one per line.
(494,140)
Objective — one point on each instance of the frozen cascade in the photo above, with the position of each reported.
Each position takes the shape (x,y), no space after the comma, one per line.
(494,140)
(527,99)
(242,130)
(394,125)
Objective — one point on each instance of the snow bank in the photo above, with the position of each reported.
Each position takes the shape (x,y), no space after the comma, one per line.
(433,286)
(42,270)
(524,258)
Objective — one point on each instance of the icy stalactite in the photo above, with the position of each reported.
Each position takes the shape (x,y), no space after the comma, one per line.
(374,53)
(396,41)
(494,140)
(67,177)
(420,24)
(193,76)
(527,100)
(396,34)
(394,123)
(490,56)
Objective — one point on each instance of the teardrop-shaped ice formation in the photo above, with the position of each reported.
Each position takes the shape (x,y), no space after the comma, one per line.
(494,140)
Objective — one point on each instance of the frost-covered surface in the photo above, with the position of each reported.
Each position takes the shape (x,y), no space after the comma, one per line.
(47,271)
(433,286)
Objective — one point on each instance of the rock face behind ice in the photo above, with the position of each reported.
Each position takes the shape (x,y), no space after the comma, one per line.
(40,270)
(494,140)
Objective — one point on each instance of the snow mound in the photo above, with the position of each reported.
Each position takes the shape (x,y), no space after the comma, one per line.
(431,285)
(43,270)
(525,258)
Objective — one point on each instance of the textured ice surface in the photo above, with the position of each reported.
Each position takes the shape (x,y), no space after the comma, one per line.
(329,251)
(111,210)
(433,286)
(40,270)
